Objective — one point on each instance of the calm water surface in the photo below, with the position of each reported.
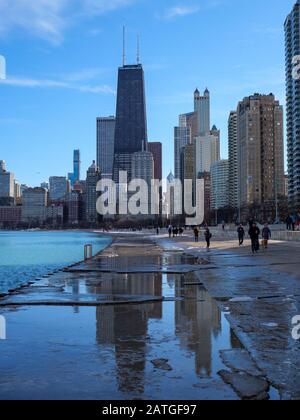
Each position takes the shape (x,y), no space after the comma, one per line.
(27,255)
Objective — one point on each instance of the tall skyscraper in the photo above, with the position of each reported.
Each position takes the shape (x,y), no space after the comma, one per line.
(156,149)
(92,178)
(219,185)
(233,160)
(131,121)
(202,108)
(292,49)
(75,175)
(260,150)
(106,145)
(182,137)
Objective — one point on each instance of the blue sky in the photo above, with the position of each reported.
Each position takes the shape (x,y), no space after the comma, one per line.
(62,59)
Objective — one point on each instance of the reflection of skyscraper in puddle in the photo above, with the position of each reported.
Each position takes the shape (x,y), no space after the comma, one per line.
(125,327)
(197,319)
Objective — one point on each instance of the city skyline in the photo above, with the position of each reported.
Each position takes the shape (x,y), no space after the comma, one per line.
(75,128)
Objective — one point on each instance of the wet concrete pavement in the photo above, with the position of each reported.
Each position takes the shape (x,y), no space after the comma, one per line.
(261,294)
(147,320)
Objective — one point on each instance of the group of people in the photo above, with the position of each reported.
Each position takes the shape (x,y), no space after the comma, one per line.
(254,233)
(293,222)
(175,231)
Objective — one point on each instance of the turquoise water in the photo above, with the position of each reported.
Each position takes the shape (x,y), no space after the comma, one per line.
(25,256)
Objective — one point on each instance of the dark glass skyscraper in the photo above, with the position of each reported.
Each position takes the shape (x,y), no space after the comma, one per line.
(131,121)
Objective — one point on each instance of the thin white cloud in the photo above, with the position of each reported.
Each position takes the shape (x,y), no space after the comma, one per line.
(56,84)
(48,19)
(180,11)
(85,74)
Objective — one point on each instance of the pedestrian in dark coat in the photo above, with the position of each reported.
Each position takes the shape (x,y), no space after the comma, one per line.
(266,234)
(196,234)
(208,237)
(241,234)
(254,233)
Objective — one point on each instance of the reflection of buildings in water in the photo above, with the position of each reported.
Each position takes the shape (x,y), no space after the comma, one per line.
(197,318)
(125,263)
(125,326)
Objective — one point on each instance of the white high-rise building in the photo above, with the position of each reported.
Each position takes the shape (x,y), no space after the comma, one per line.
(106,145)
(219,185)
(233,160)
(292,51)
(7,183)
(207,152)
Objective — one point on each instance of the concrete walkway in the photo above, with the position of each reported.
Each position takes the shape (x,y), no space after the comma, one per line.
(261,294)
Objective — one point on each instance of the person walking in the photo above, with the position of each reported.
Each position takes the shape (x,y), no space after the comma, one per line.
(288,222)
(170,231)
(241,235)
(208,237)
(254,233)
(266,234)
(196,234)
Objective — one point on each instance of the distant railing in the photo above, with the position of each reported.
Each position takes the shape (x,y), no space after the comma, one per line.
(286,236)
(88,252)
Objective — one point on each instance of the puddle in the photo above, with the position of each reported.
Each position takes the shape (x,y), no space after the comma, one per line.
(107,352)
(153,262)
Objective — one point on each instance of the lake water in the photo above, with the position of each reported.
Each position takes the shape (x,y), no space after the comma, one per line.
(25,256)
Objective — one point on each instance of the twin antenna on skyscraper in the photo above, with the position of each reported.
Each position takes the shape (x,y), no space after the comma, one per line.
(138,56)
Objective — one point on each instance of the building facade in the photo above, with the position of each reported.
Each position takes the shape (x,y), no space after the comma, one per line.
(34,206)
(191,121)
(202,108)
(131,120)
(219,185)
(207,152)
(292,49)
(55,214)
(260,150)
(182,137)
(106,145)
(74,207)
(91,195)
(59,186)
(7,183)
(233,160)
(156,149)
(10,215)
